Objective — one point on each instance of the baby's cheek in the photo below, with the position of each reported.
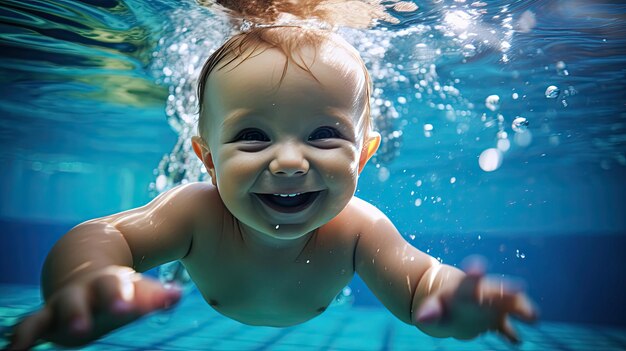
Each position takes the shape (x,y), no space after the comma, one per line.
(344,175)
(236,175)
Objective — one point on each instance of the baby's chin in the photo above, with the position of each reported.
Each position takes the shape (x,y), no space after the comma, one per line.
(288,232)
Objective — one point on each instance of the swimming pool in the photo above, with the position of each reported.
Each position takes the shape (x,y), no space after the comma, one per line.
(92,98)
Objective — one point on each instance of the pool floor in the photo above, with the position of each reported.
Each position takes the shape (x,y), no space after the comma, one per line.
(193,325)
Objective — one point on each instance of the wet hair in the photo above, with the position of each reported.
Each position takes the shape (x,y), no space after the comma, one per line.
(291,41)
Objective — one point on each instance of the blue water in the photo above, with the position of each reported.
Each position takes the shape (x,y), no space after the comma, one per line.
(95,93)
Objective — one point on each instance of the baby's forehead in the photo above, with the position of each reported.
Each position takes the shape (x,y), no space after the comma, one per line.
(311,71)
(253,67)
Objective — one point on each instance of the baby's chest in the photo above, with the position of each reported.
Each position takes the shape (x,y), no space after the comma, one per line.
(270,291)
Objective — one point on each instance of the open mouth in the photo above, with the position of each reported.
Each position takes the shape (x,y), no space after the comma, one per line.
(289,203)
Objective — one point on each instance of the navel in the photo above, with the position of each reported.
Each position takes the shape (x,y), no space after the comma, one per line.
(213,302)
(321,309)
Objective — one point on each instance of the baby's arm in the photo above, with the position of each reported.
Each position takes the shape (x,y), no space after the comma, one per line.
(90,281)
(439,299)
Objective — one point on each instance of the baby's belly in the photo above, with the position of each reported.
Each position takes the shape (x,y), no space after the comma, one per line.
(262,316)
(284,308)
(278,300)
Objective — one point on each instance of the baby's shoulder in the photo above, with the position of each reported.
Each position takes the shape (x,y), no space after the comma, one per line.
(360,209)
(357,214)
(198,197)
(188,203)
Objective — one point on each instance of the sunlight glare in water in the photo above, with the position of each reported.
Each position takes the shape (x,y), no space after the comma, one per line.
(458,20)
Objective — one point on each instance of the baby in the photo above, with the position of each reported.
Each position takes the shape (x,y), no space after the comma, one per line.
(284,131)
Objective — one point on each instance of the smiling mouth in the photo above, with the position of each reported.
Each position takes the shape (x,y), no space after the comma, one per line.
(289,203)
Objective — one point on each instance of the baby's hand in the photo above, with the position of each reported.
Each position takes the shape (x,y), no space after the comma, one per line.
(92,306)
(479,304)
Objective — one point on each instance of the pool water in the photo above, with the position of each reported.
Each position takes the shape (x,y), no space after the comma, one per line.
(504,134)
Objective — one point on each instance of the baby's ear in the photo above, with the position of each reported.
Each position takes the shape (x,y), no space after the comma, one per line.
(204,154)
(372,141)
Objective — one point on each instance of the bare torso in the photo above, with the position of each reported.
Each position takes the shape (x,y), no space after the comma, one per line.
(275,286)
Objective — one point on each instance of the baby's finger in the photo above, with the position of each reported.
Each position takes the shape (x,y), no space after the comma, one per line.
(32,328)
(134,295)
(498,292)
(524,309)
(505,327)
(470,287)
(150,295)
(113,292)
(73,310)
(430,311)
(474,265)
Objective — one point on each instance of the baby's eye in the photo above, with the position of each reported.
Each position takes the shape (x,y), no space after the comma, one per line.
(324,133)
(251,134)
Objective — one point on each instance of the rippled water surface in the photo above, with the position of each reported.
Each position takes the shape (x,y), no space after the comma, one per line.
(504,116)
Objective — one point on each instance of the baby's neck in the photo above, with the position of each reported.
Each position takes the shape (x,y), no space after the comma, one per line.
(261,243)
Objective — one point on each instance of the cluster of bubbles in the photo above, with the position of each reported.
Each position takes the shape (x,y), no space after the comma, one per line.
(491,159)
(176,64)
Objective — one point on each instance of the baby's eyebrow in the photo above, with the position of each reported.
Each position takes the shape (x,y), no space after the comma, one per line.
(338,115)
(235,116)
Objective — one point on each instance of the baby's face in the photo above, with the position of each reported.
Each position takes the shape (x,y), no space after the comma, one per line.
(286,156)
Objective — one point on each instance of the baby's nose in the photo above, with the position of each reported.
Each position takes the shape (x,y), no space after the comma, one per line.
(289,161)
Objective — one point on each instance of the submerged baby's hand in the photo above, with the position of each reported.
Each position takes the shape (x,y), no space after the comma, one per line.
(94,305)
(478,304)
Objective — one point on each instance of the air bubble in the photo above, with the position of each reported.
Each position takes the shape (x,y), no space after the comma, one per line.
(428,130)
(492,102)
(519,125)
(523,139)
(561,69)
(490,160)
(383,174)
(552,92)
(161,183)
(503,145)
